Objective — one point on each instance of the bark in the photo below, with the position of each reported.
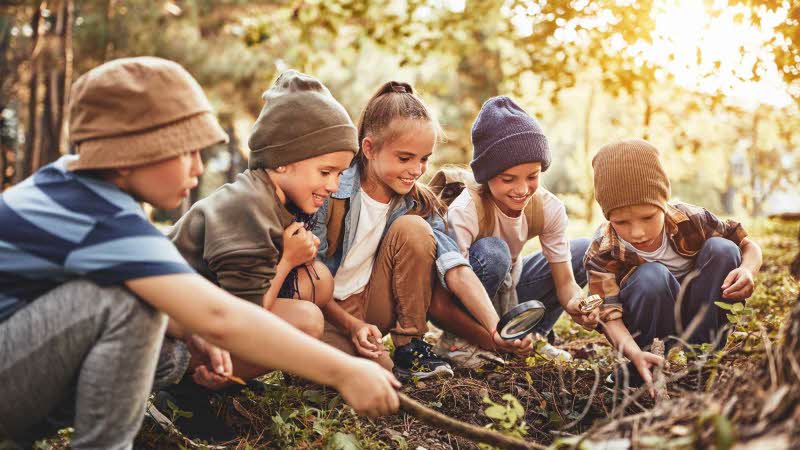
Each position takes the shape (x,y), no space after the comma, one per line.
(23,161)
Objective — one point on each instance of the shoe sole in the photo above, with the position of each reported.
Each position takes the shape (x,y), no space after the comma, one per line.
(438,372)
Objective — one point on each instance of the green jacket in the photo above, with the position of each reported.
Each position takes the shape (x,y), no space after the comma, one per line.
(234,237)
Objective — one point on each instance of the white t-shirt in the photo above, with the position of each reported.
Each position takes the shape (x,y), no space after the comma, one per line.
(462,217)
(666,255)
(354,272)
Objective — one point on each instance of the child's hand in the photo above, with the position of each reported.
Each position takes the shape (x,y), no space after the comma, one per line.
(367,339)
(522,346)
(738,285)
(299,245)
(644,363)
(368,388)
(588,320)
(216,367)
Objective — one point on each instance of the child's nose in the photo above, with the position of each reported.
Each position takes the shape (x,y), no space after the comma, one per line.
(197,165)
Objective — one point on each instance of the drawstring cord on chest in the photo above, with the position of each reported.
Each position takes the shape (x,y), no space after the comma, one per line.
(291,286)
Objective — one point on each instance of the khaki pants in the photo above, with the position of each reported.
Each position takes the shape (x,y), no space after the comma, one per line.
(398,294)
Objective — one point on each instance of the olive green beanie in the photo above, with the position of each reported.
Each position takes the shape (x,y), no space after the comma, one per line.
(300,120)
(628,173)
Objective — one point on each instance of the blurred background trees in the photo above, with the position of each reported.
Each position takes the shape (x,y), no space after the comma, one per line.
(715,84)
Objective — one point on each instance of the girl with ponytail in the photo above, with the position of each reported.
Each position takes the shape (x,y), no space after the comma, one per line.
(383,237)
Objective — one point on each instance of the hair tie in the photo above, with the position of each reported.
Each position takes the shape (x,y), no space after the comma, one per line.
(399,88)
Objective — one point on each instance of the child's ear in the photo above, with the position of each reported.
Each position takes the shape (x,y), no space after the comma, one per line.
(367,148)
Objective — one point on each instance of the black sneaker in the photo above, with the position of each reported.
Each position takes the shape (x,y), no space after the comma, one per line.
(186,407)
(619,377)
(416,359)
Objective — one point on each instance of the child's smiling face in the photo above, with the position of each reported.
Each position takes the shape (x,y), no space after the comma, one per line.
(512,188)
(401,159)
(640,225)
(309,182)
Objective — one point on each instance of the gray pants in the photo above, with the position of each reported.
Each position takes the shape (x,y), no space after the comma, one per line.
(83,353)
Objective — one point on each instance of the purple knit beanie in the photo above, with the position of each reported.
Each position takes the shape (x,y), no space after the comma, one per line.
(504,136)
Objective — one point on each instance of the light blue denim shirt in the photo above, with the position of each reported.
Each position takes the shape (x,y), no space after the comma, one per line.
(447,254)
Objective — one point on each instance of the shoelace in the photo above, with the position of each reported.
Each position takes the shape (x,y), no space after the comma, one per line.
(291,286)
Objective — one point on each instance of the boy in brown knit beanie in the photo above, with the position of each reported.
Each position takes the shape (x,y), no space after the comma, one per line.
(648,247)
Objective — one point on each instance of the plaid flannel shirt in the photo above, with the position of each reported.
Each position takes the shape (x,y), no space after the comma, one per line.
(609,263)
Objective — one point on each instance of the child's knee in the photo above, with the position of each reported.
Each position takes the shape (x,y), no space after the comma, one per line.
(414,231)
(494,252)
(655,280)
(315,284)
(313,323)
(721,251)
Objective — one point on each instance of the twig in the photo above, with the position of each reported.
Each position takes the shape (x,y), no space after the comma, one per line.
(659,380)
(466,430)
(589,402)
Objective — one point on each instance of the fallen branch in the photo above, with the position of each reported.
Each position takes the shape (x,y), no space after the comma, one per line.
(466,430)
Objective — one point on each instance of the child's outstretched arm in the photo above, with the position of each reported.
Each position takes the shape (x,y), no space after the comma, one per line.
(621,339)
(739,284)
(261,338)
(467,287)
(570,295)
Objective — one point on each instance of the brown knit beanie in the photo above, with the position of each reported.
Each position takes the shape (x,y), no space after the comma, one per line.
(134,111)
(629,173)
(300,120)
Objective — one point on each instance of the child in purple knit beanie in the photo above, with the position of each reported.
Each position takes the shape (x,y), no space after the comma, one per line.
(492,221)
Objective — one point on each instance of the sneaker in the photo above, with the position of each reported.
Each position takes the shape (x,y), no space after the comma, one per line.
(550,352)
(416,359)
(462,354)
(633,379)
(185,407)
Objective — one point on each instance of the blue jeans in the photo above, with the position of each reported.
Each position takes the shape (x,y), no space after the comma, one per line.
(490,259)
(648,296)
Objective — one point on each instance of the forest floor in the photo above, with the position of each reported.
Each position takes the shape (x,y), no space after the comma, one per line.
(558,404)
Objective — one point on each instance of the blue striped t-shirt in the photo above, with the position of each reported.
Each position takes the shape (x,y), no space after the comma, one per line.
(58,225)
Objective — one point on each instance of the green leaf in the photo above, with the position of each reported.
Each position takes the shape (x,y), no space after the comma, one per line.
(737,307)
(724,435)
(496,412)
(343,441)
(723,305)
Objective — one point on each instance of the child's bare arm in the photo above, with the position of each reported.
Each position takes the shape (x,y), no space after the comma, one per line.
(740,283)
(621,339)
(570,295)
(259,337)
(467,287)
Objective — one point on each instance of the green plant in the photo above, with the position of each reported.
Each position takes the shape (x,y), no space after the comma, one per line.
(508,418)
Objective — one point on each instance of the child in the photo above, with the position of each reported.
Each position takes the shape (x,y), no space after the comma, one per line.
(492,222)
(85,277)
(251,236)
(639,258)
(382,237)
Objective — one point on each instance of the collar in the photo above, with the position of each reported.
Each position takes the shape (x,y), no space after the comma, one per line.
(611,243)
(349,183)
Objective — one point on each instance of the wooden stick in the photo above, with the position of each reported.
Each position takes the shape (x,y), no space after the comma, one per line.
(466,430)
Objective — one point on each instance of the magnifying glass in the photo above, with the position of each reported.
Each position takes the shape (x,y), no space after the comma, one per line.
(520,320)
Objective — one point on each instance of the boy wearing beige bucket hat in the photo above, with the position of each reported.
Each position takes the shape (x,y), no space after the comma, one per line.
(85,278)
(649,246)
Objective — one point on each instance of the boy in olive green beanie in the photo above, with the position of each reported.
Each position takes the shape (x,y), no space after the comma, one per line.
(251,237)
(649,246)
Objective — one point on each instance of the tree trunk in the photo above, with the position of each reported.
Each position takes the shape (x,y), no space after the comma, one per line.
(24,160)
(752,159)
(587,149)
